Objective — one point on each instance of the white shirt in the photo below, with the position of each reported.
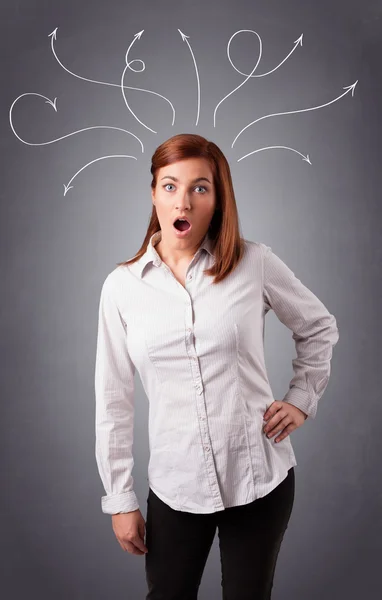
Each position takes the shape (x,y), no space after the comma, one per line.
(199,351)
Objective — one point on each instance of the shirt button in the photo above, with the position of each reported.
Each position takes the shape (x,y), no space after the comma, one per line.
(207,448)
(190,277)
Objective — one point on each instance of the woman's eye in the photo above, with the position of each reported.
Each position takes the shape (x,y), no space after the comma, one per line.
(198,186)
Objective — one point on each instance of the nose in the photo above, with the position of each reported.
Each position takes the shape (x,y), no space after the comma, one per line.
(183,200)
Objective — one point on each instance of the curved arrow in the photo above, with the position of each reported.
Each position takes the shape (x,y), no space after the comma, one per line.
(296,42)
(129,63)
(68,186)
(53,36)
(347,88)
(53,104)
(253,70)
(128,66)
(251,74)
(185,39)
(306,158)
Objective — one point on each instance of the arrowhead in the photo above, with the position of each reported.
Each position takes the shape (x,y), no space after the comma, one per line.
(184,36)
(138,35)
(54,33)
(299,40)
(307,159)
(351,87)
(52,103)
(66,188)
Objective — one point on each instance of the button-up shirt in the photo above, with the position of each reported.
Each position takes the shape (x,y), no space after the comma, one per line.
(199,351)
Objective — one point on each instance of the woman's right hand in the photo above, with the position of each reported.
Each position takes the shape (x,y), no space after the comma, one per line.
(129,529)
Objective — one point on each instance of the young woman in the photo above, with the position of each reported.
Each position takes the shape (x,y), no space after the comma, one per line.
(188,313)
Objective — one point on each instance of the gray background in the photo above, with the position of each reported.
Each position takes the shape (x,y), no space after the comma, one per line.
(323,220)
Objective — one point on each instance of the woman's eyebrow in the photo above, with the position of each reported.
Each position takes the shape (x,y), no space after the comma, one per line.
(193,181)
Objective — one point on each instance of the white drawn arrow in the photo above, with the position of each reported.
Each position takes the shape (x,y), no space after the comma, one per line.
(128,66)
(68,186)
(347,88)
(251,74)
(246,79)
(53,36)
(129,63)
(306,158)
(185,39)
(296,42)
(54,105)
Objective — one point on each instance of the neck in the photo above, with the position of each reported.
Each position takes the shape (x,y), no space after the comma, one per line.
(176,256)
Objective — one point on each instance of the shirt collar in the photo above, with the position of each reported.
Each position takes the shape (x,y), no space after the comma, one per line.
(151,255)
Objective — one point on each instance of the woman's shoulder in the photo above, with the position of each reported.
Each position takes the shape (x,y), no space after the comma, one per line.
(115,278)
(256,246)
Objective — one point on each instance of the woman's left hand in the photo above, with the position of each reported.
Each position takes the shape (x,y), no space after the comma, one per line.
(282,417)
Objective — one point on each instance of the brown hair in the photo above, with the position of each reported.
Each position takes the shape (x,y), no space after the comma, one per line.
(224,228)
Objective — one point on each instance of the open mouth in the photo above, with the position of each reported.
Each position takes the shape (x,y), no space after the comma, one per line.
(182,224)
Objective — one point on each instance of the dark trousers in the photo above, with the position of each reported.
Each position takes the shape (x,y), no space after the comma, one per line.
(250,537)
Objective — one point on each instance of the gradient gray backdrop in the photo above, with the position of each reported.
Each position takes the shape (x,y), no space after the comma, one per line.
(323,220)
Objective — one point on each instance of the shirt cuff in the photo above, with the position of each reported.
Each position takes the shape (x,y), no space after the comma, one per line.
(302,400)
(116,503)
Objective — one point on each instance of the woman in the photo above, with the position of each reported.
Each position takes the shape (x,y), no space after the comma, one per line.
(188,312)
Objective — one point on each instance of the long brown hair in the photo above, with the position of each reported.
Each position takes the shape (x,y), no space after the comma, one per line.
(224,228)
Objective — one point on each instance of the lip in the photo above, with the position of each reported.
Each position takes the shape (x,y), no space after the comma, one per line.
(182,234)
(182,217)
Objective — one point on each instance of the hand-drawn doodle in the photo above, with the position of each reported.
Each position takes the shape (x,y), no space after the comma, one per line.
(123,87)
(128,66)
(297,42)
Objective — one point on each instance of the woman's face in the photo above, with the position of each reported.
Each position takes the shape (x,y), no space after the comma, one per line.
(185,189)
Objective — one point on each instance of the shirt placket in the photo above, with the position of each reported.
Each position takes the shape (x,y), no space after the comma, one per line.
(198,383)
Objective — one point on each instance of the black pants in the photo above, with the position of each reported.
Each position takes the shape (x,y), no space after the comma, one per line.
(250,537)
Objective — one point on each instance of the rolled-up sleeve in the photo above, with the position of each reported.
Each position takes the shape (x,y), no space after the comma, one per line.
(114,414)
(315,331)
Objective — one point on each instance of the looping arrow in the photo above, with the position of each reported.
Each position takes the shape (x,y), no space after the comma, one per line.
(53,104)
(251,74)
(53,37)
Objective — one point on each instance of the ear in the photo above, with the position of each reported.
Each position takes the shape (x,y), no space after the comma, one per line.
(152,196)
